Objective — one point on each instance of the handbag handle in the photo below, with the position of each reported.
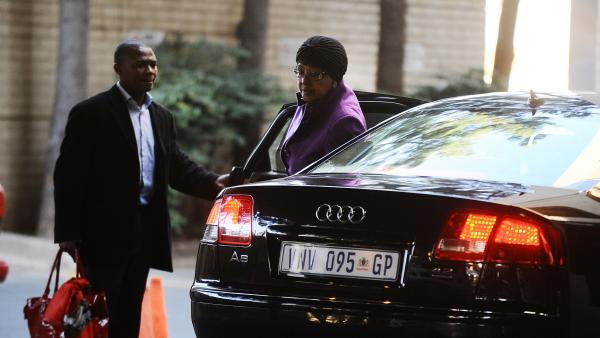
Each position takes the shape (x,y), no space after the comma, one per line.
(80,271)
(55,266)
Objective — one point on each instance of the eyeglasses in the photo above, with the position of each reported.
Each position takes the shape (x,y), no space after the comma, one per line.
(302,74)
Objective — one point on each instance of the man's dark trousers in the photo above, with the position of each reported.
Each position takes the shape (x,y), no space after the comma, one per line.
(124,284)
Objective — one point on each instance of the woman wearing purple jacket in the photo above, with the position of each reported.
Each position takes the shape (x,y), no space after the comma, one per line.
(328,112)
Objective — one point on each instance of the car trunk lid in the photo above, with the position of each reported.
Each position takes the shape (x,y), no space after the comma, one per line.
(394,220)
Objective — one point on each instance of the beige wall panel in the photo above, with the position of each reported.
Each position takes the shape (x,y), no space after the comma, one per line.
(443,38)
(22,153)
(44,47)
(16,27)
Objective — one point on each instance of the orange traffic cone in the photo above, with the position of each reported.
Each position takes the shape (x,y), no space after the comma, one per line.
(154,314)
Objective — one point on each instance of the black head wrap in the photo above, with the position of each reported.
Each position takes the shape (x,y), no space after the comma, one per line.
(325,53)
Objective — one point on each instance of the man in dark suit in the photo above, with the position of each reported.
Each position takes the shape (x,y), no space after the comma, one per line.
(116,160)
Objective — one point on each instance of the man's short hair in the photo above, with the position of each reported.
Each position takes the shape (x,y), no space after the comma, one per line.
(126,47)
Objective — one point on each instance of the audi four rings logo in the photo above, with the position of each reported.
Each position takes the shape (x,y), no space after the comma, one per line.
(340,213)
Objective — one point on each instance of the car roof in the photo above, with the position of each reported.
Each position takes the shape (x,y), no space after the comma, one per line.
(519,100)
(590,96)
(378,97)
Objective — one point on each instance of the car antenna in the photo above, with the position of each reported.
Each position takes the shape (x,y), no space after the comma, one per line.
(534,102)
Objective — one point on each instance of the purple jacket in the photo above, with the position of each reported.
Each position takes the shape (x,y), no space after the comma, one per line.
(319,127)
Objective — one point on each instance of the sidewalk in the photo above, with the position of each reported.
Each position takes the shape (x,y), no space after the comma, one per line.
(29,254)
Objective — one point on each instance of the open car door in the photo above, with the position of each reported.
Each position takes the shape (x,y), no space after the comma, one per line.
(265,163)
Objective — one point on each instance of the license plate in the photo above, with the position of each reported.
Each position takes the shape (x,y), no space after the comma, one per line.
(311,259)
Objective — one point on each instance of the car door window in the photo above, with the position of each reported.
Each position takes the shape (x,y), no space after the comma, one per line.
(275,150)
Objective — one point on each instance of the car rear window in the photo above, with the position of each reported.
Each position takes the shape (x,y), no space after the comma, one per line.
(553,147)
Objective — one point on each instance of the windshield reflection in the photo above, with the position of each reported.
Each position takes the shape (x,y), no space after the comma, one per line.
(484,138)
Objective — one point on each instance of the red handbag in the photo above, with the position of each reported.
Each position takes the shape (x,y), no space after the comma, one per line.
(74,310)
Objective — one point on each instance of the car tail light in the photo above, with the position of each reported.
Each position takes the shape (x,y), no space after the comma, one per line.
(211,232)
(230,221)
(525,241)
(465,237)
(472,236)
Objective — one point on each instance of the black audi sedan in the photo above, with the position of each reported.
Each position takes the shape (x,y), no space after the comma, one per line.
(475,216)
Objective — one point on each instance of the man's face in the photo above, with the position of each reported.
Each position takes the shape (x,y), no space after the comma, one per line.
(137,71)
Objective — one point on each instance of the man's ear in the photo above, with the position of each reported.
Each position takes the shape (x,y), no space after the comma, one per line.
(117,68)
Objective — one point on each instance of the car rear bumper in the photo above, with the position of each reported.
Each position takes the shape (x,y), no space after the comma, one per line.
(218,307)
